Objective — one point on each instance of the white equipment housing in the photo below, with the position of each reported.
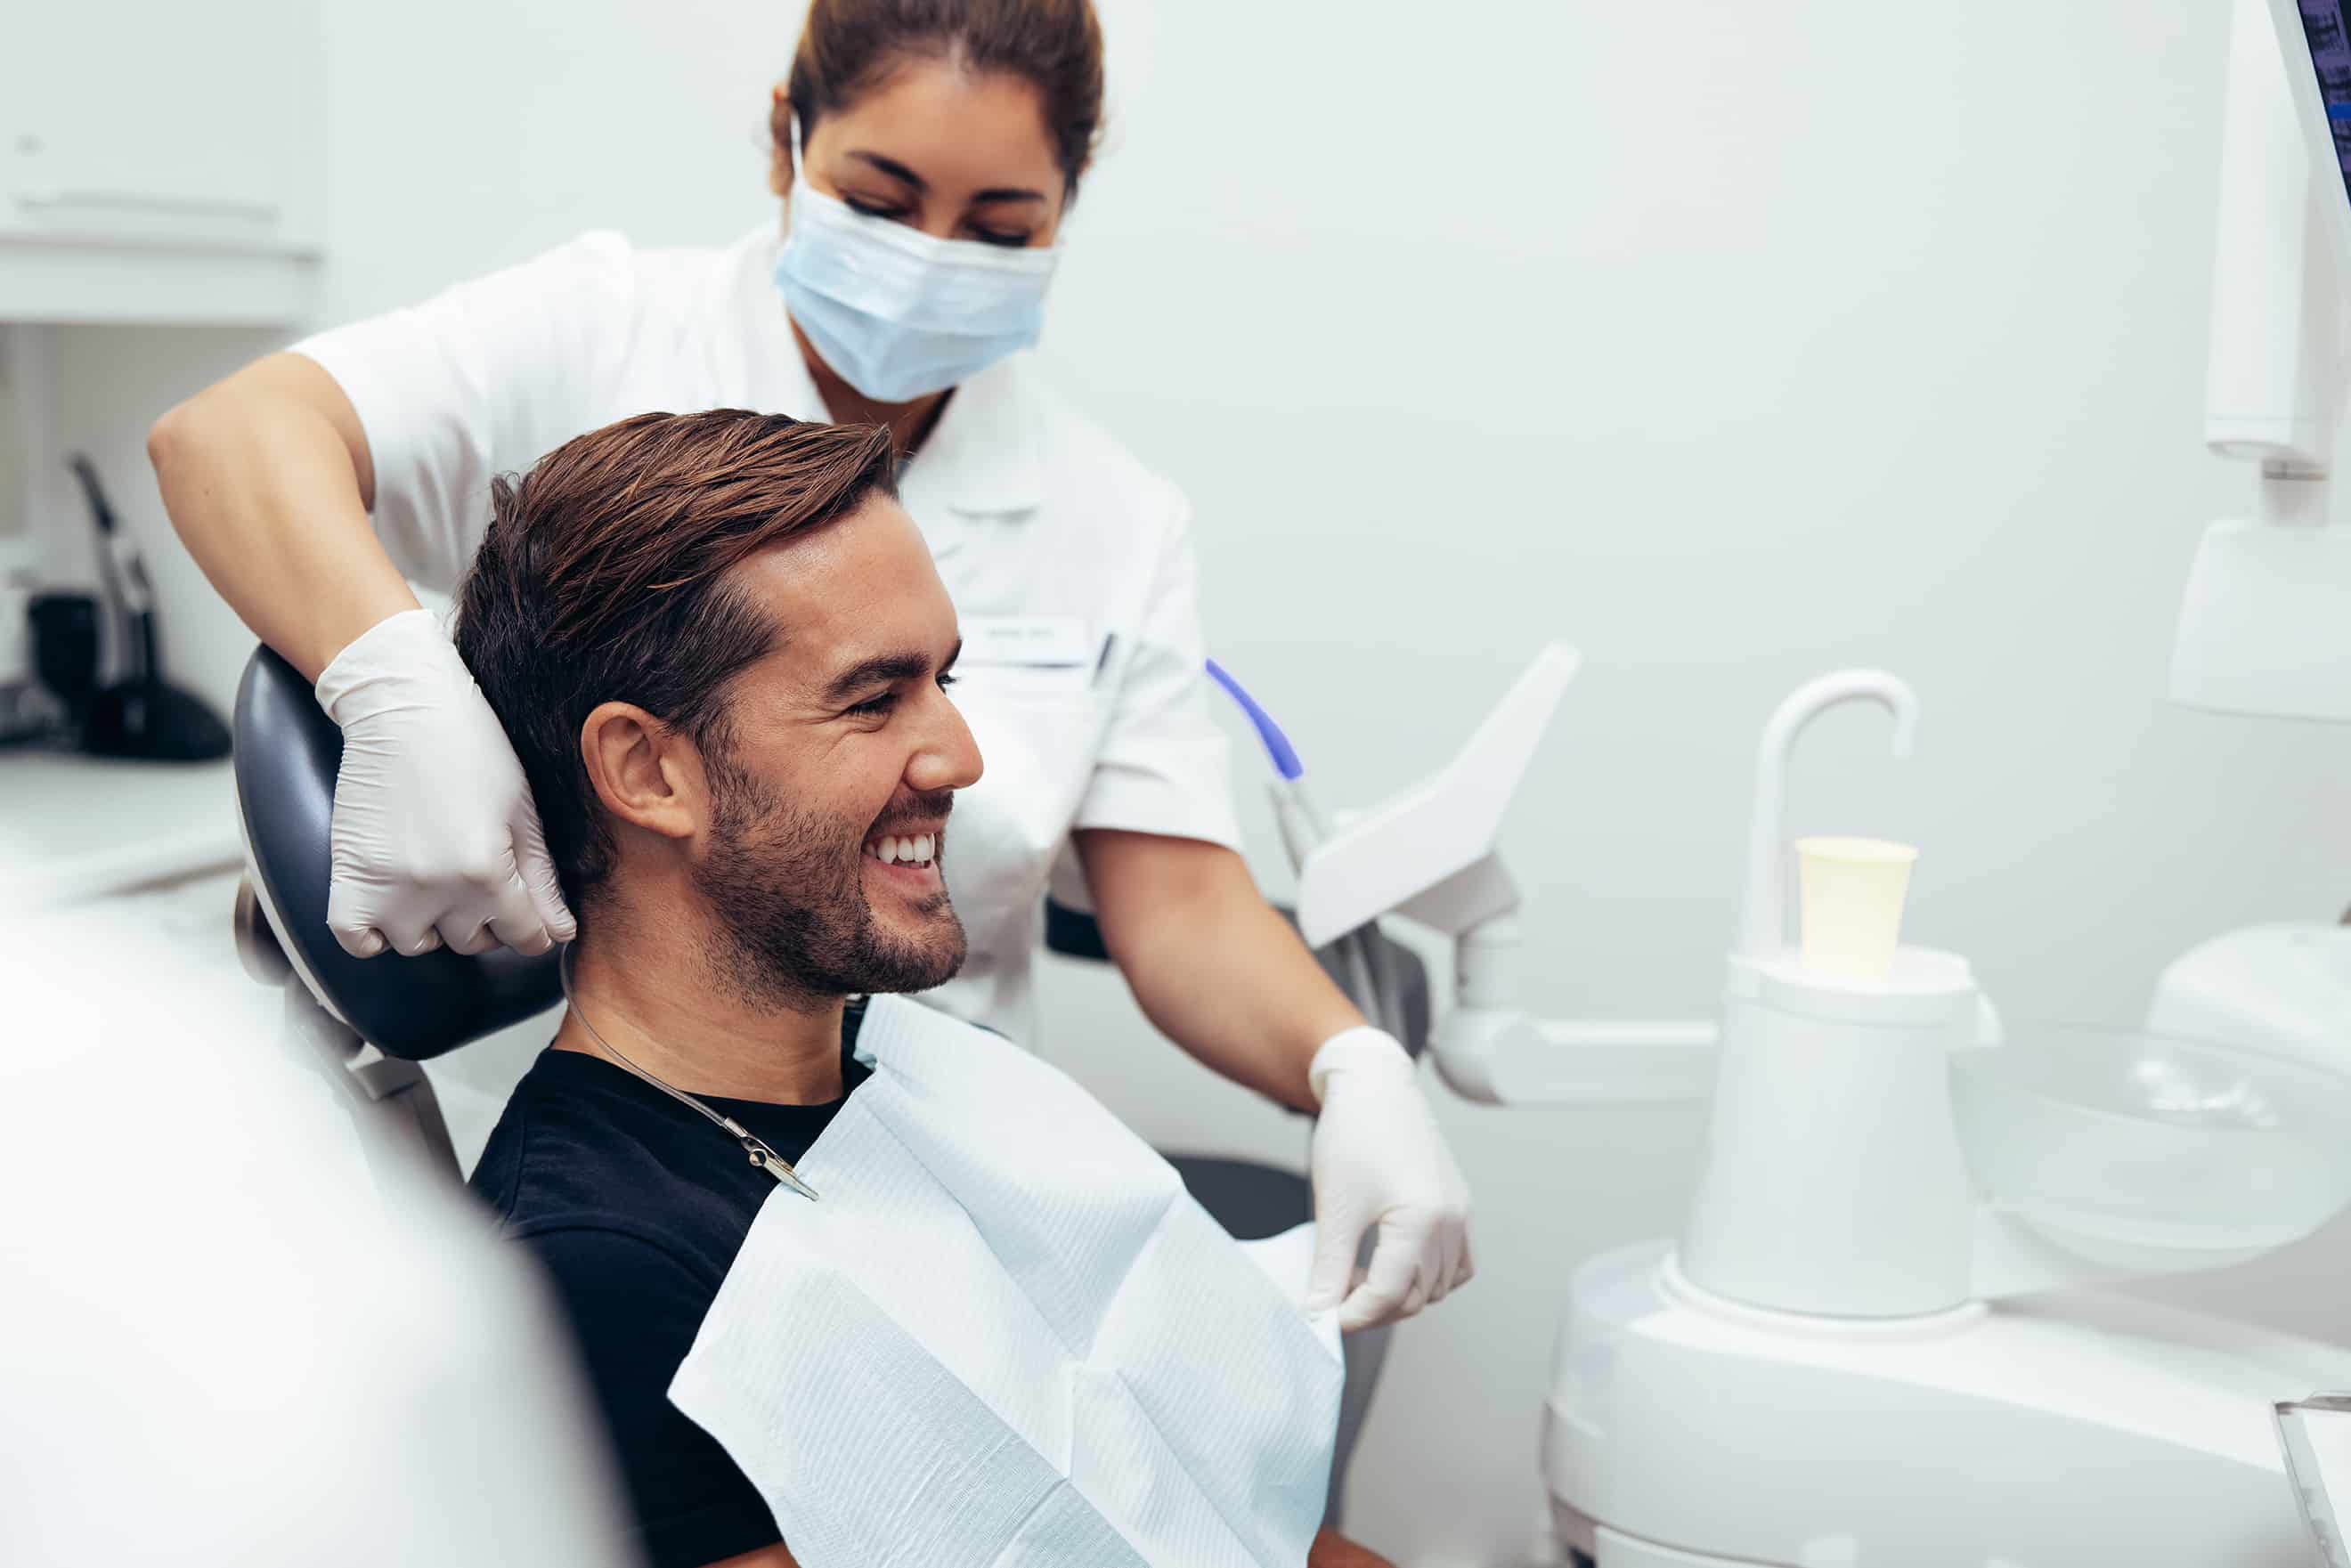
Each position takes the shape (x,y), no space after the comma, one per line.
(2261,620)
(2262,623)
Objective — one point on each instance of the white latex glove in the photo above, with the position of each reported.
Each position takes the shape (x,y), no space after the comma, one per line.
(1378,1159)
(437,839)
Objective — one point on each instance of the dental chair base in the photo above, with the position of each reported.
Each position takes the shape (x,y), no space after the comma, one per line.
(1689,1430)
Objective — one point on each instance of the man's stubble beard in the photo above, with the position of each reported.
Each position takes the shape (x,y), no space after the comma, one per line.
(792,920)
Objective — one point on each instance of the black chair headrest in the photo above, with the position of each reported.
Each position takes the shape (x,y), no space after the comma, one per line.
(287,752)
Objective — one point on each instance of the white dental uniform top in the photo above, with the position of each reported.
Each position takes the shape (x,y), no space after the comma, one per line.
(1070,563)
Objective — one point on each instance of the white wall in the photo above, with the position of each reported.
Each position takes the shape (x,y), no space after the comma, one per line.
(1732,343)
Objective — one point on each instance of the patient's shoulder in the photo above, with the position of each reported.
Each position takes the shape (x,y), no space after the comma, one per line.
(584,1151)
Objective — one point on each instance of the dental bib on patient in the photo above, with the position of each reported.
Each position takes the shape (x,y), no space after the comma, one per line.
(1006,1337)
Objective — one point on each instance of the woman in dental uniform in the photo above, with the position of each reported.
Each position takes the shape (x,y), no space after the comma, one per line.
(927,153)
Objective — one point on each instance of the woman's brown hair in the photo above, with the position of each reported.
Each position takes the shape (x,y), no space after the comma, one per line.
(848,46)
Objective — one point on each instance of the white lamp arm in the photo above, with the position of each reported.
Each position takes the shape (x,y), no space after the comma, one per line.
(1488,1051)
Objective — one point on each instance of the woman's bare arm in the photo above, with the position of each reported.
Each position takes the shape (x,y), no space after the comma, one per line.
(267,478)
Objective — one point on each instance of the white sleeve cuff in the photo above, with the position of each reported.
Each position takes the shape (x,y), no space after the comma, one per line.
(1134,801)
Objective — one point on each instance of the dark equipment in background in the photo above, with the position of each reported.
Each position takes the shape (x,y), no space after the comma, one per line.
(65,650)
(142,715)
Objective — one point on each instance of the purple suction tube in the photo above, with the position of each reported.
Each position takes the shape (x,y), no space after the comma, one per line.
(1276,744)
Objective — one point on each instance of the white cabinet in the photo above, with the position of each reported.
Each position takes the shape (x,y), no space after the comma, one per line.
(159,160)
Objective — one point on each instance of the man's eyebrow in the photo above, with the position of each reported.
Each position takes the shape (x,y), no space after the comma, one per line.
(881,670)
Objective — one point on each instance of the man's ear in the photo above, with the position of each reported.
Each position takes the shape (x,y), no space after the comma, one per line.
(644,772)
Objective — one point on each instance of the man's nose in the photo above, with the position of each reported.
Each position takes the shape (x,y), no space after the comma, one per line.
(950,758)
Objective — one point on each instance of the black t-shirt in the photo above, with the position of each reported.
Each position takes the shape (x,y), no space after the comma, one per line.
(636,1206)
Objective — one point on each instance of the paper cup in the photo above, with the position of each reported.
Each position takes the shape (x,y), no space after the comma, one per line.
(1852,892)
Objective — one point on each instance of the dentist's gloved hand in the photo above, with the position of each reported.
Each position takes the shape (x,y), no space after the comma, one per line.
(1380,1161)
(436,840)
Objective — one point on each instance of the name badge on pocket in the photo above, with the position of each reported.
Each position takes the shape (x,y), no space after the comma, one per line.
(1036,642)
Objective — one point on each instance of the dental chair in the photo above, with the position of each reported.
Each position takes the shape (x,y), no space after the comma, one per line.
(369,1023)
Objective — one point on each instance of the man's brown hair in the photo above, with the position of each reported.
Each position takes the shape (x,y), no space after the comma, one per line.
(601,580)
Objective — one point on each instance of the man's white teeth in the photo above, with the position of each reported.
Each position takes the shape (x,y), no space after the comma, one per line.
(914,848)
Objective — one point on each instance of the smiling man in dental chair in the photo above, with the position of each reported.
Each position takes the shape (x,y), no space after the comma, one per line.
(854,1283)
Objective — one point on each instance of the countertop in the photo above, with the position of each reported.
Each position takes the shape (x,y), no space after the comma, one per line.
(79,827)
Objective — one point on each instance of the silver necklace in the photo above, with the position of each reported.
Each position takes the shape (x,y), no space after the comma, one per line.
(761,1156)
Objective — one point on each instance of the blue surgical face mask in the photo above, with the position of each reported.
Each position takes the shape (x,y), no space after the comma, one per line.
(899,314)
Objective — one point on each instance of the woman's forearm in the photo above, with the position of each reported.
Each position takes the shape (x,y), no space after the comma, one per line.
(266,479)
(1214,967)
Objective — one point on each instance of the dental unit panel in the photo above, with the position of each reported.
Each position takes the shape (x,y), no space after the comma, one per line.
(1872,1345)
